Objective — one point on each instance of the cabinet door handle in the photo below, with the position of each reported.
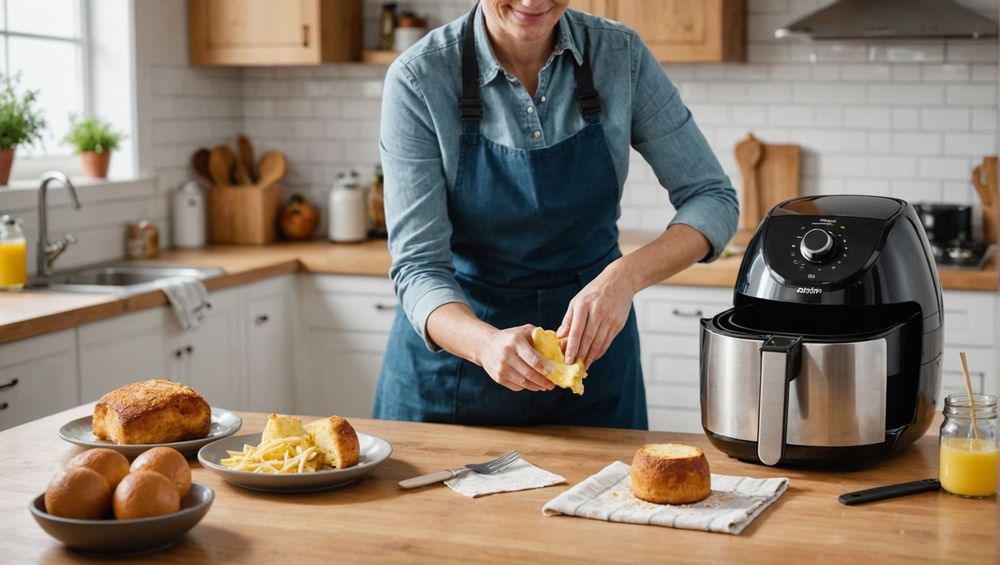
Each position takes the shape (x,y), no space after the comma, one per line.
(178,353)
(697,313)
(4,406)
(382,307)
(305,35)
(260,320)
(189,350)
(11,384)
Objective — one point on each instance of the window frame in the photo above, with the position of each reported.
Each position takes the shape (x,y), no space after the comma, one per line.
(31,167)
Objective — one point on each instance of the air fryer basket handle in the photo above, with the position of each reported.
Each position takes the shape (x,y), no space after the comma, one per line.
(780,361)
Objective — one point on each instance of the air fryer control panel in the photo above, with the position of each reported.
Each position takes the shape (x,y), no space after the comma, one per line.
(820,249)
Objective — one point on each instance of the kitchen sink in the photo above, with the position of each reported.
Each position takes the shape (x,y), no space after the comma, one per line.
(120,278)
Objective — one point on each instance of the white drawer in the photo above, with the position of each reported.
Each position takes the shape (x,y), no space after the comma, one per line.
(670,359)
(982,371)
(682,397)
(670,310)
(675,420)
(328,304)
(969,318)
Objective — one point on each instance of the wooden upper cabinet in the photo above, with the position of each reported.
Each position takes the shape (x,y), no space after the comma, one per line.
(681,31)
(274,32)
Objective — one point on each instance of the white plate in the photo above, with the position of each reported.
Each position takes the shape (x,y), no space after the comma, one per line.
(81,432)
(374,451)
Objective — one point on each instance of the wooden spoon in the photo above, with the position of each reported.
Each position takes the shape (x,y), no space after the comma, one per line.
(273,167)
(984,178)
(220,164)
(748,154)
(244,149)
(199,162)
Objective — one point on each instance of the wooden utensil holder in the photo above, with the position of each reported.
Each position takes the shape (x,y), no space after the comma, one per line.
(243,214)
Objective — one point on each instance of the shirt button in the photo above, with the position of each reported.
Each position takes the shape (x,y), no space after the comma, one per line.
(543,99)
(536,134)
(531,110)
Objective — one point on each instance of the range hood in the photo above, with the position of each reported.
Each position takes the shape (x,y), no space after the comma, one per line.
(890,19)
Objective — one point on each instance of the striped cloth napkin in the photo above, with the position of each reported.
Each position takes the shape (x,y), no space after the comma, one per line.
(733,504)
(519,475)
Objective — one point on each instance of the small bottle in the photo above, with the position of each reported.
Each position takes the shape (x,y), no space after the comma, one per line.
(13,254)
(387,26)
(142,241)
(968,465)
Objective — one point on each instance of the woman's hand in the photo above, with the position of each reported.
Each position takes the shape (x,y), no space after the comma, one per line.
(597,314)
(510,359)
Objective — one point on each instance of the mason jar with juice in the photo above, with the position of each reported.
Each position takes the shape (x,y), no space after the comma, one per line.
(969,444)
(13,255)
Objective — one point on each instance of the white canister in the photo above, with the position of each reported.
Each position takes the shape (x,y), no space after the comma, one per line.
(405,37)
(348,210)
(189,213)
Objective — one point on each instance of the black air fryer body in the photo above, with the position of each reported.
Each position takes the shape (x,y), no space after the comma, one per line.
(831,355)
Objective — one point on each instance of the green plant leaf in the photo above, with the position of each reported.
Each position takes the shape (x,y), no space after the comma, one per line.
(91,134)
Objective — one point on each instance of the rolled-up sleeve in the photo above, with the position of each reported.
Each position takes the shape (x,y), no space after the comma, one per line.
(416,203)
(665,134)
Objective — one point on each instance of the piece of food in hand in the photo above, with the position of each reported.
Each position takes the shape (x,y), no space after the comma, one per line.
(168,462)
(281,426)
(563,375)
(153,411)
(336,440)
(108,463)
(144,494)
(78,492)
(670,473)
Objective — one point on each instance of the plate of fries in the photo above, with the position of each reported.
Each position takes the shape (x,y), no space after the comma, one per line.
(286,464)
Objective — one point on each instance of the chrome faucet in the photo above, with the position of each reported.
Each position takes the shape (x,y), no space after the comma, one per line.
(48,252)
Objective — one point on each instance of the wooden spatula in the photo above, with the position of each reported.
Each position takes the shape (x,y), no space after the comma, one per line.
(984,177)
(273,167)
(244,149)
(220,164)
(748,154)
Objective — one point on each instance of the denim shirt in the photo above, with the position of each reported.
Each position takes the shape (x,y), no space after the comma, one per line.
(420,130)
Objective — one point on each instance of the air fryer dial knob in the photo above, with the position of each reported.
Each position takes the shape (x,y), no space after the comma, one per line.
(817,245)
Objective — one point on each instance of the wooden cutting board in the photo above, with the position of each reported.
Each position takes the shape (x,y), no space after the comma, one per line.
(984,177)
(770,176)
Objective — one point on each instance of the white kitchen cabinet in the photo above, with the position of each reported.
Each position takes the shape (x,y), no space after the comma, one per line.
(669,328)
(269,324)
(38,377)
(346,323)
(209,358)
(970,320)
(120,350)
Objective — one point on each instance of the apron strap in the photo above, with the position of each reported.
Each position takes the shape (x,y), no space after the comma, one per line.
(470,105)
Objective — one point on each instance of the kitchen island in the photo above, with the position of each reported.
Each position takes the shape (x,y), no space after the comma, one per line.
(373,520)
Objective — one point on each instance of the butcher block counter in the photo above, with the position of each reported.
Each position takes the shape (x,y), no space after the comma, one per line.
(373,520)
(31,313)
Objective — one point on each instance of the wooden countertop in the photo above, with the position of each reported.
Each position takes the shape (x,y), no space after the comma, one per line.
(374,521)
(29,313)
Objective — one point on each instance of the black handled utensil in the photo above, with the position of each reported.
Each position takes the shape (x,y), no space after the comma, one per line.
(889,491)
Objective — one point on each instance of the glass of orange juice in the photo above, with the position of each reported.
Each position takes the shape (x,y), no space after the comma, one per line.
(13,255)
(968,443)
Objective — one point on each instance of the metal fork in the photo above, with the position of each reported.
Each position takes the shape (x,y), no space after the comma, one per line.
(487,468)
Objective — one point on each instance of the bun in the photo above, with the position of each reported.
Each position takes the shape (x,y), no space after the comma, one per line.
(154,411)
(670,473)
(110,464)
(336,440)
(143,494)
(78,492)
(280,426)
(168,462)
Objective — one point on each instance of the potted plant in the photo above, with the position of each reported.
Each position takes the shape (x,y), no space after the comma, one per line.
(20,122)
(94,140)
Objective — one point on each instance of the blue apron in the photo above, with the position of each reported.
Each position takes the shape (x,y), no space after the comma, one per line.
(531,228)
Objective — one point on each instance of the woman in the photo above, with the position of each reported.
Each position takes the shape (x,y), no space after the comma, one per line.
(505,144)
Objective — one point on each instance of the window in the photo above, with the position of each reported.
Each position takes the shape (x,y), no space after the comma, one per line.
(45,41)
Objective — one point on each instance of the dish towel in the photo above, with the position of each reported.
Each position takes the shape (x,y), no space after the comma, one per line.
(189,300)
(733,504)
(520,475)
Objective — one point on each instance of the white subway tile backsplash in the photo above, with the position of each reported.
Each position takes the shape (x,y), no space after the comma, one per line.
(879,142)
(831,93)
(866,73)
(916,190)
(828,116)
(984,72)
(916,143)
(793,116)
(945,168)
(984,119)
(945,119)
(971,50)
(870,117)
(951,72)
(906,52)
(908,94)
(709,114)
(790,72)
(973,95)
(292,108)
(770,92)
(905,118)
(969,144)
(905,73)
(826,72)
(833,141)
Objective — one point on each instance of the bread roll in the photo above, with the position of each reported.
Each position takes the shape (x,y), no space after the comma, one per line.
(154,411)
(279,426)
(108,463)
(143,494)
(336,440)
(670,473)
(168,462)
(78,492)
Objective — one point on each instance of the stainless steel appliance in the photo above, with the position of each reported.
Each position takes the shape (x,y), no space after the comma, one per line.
(949,232)
(831,355)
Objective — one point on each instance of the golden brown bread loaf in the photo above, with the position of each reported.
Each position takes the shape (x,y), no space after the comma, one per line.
(336,440)
(153,411)
(670,473)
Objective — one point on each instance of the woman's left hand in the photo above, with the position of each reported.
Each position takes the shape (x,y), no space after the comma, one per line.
(597,314)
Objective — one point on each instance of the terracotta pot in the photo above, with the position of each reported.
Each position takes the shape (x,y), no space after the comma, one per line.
(6,161)
(95,165)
